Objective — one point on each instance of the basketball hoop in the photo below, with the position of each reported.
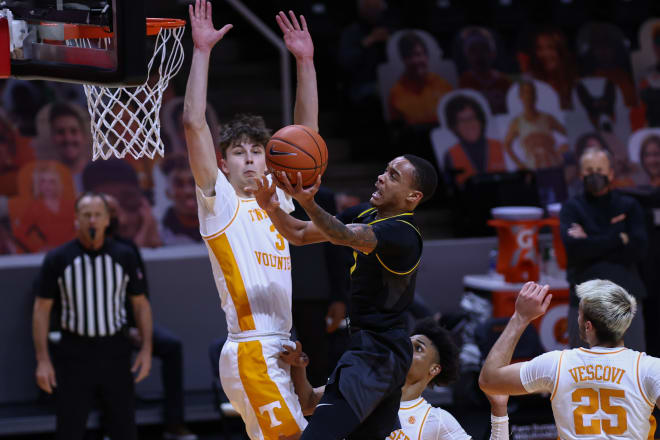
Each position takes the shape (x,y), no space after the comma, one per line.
(125,120)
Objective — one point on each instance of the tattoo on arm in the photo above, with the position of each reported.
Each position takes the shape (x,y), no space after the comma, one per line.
(355,235)
(362,236)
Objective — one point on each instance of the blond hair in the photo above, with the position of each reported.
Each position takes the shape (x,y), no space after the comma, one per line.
(609,308)
(39,170)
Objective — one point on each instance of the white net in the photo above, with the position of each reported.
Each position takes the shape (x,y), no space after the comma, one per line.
(126,120)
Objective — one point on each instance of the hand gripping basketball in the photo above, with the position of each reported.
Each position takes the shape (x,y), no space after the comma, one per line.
(264,193)
(302,195)
(297,150)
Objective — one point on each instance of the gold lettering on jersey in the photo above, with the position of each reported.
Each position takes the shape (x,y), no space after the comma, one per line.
(277,262)
(257,214)
(398,435)
(279,244)
(597,372)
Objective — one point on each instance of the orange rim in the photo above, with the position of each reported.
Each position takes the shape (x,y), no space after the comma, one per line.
(154,25)
(75,31)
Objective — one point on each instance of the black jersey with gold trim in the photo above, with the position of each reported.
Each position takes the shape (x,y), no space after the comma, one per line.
(383,281)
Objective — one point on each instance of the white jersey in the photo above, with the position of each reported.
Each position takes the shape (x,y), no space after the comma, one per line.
(250,260)
(421,421)
(600,393)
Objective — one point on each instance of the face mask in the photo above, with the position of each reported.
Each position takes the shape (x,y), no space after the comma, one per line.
(595,183)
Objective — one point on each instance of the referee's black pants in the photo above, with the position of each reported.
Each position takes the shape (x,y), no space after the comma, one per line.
(90,370)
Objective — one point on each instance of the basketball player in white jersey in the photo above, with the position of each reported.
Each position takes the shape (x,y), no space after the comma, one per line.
(435,362)
(250,260)
(604,392)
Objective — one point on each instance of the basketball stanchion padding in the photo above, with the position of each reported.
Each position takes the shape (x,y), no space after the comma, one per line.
(126,120)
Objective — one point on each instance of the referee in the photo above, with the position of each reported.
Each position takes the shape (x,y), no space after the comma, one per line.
(87,279)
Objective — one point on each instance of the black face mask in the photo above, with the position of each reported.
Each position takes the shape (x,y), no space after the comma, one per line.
(595,183)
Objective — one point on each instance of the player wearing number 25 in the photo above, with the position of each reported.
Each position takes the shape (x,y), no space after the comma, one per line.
(250,259)
(604,392)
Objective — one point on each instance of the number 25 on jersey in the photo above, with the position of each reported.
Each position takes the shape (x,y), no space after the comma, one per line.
(595,399)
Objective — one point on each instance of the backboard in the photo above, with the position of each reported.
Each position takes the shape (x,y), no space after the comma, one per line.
(43,35)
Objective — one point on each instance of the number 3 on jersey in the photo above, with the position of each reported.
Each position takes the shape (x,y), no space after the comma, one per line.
(279,244)
(599,399)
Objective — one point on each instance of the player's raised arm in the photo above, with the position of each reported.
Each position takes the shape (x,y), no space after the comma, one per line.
(497,376)
(201,151)
(299,42)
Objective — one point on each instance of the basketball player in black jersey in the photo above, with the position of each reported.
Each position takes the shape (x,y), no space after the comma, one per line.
(362,395)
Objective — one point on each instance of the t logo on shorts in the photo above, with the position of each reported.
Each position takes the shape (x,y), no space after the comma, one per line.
(269,407)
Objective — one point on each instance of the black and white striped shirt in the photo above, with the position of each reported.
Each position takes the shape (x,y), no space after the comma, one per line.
(90,287)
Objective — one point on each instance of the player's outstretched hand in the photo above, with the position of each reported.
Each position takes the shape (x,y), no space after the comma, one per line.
(302,195)
(264,192)
(295,358)
(533,301)
(296,37)
(204,35)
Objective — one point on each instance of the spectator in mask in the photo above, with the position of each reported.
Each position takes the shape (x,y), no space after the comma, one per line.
(604,233)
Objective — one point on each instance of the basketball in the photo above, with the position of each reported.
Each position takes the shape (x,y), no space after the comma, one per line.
(297,148)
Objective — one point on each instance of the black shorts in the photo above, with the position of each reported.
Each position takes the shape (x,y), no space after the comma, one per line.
(374,366)
(334,419)
(363,394)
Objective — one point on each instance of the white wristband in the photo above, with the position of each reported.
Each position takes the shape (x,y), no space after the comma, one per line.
(496,419)
(499,427)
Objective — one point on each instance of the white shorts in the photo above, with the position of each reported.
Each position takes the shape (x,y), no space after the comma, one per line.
(258,385)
